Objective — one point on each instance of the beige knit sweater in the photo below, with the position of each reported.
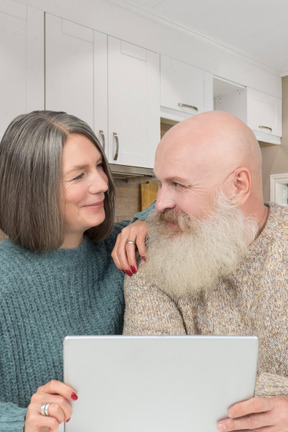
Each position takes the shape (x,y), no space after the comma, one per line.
(254,301)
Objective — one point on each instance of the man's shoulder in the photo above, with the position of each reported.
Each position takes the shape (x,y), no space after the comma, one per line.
(278,217)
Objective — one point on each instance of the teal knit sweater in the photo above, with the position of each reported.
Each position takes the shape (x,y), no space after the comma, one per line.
(43,298)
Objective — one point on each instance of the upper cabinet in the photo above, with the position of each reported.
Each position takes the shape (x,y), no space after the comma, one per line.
(133,100)
(185,90)
(21,59)
(264,115)
(260,111)
(112,84)
(76,72)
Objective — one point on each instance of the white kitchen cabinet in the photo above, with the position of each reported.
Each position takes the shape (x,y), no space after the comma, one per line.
(133,95)
(185,90)
(264,115)
(260,111)
(110,84)
(76,72)
(21,59)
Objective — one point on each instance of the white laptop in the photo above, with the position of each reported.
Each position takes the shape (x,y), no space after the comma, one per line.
(157,383)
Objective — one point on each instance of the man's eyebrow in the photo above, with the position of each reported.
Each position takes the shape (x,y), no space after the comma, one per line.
(175,179)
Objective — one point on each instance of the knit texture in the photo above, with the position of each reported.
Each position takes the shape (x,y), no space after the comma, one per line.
(254,301)
(43,298)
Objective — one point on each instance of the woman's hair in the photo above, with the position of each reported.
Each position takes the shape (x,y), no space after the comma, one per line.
(31,187)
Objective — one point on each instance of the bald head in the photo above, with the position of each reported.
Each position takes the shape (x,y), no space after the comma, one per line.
(218,139)
(214,150)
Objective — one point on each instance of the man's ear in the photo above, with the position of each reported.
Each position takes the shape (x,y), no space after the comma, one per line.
(241,186)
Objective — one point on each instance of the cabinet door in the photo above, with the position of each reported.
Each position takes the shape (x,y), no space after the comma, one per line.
(76,72)
(185,90)
(21,59)
(264,113)
(133,94)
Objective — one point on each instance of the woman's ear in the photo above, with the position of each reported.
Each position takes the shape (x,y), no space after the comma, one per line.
(241,186)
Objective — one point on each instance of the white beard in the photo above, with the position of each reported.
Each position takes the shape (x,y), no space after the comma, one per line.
(196,254)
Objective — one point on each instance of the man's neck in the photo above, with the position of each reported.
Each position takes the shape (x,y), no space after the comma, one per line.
(263,219)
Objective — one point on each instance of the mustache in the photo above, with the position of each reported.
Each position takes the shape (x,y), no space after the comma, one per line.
(182,220)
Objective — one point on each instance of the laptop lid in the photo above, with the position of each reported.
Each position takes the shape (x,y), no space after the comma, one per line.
(157,383)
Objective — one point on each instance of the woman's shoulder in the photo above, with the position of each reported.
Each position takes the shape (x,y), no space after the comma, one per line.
(8,248)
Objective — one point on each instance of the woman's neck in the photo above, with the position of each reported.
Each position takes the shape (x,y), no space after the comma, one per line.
(72,241)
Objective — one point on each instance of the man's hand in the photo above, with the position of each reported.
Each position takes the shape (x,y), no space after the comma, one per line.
(269,414)
(124,254)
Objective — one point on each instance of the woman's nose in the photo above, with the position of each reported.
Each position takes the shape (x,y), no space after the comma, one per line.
(99,184)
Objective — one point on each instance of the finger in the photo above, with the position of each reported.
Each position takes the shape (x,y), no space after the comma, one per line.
(119,254)
(250,406)
(36,421)
(141,242)
(131,256)
(60,408)
(123,248)
(138,233)
(114,254)
(247,423)
(58,388)
(51,423)
(60,412)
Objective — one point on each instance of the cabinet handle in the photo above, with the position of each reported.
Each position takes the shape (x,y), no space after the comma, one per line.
(265,127)
(115,135)
(181,105)
(102,139)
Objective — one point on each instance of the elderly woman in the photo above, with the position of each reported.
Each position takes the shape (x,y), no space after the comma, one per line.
(57,276)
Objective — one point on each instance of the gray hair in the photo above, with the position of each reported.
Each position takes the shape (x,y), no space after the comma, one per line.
(31,191)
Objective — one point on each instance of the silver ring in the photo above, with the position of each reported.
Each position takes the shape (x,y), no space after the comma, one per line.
(131,242)
(44,409)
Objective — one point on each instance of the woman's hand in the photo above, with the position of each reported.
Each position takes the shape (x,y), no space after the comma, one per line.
(58,396)
(124,254)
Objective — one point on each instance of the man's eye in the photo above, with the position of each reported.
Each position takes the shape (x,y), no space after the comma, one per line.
(178,185)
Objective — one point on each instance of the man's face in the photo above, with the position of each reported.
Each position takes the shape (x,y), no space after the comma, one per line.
(186,181)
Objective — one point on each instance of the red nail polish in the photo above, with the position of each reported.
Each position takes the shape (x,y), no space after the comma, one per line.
(144,258)
(133,269)
(74,396)
(68,420)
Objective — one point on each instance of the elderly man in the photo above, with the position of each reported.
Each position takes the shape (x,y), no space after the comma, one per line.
(217,259)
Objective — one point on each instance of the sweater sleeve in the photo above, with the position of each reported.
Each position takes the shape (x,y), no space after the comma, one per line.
(11,417)
(149,311)
(144,214)
(268,385)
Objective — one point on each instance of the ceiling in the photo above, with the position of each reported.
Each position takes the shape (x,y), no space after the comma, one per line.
(255,28)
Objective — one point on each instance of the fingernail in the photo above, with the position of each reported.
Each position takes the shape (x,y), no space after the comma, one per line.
(68,420)
(133,269)
(129,273)
(144,258)
(74,396)
(123,271)
(221,427)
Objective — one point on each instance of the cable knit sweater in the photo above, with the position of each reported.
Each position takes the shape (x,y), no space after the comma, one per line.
(254,301)
(44,297)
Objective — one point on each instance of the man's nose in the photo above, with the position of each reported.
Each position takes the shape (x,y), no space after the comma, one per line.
(164,200)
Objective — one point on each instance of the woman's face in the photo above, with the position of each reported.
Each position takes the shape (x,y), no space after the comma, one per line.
(85,183)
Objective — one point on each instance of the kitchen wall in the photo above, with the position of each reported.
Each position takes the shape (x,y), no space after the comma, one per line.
(275,158)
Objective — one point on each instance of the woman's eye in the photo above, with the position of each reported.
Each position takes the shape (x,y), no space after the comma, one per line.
(78,177)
